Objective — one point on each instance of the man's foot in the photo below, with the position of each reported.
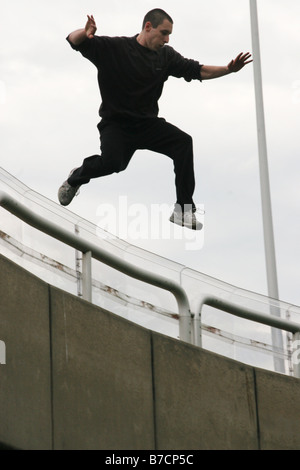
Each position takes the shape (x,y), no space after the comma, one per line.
(186,219)
(67,192)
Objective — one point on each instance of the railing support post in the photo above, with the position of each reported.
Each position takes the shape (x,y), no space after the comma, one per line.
(197,340)
(87,276)
(296,354)
(185,325)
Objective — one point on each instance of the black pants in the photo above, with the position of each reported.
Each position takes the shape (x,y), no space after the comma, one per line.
(120,139)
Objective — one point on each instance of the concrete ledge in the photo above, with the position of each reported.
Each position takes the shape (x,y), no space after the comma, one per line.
(202,401)
(79,377)
(25,391)
(278,403)
(102,378)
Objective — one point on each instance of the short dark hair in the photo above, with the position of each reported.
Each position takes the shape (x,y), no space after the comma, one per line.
(156,17)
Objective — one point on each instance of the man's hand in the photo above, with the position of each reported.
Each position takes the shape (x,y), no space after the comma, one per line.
(90,27)
(239,62)
(215,71)
(80,35)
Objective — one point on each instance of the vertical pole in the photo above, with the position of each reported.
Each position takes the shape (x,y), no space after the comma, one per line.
(264,184)
(84,278)
(87,276)
(197,326)
(78,260)
(296,354)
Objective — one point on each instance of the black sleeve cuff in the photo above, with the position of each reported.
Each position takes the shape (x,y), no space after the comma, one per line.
(79,46)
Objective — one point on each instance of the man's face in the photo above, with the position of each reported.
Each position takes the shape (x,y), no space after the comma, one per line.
(158,37)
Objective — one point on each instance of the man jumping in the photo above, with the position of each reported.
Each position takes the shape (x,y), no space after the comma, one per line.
(131,75)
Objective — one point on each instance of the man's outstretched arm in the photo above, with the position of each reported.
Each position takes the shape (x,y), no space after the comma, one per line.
(78,36)
(214,71)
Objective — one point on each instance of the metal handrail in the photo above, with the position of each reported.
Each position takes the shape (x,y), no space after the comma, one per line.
(90,250)
(252,315)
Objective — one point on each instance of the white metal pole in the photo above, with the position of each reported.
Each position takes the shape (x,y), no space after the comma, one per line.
(264,183)
(78,263)
(296,363)
(87,276)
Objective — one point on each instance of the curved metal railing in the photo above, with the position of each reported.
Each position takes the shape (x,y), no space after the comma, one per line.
(90,250)
(248,314)
(187,321)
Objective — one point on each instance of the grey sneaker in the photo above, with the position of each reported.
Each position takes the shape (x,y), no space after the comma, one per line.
(67,192)
(186,219)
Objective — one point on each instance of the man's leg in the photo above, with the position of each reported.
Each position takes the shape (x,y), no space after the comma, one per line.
(163,137)
(116,152)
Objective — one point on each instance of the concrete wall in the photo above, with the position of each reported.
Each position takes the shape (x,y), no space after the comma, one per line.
(79,377)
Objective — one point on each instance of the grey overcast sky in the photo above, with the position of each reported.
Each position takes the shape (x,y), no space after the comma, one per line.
(49,103)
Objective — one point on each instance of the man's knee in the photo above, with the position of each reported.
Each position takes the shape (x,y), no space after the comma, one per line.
(113,165)
(184,147)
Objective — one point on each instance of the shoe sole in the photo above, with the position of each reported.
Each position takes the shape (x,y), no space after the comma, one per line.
(198,225)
